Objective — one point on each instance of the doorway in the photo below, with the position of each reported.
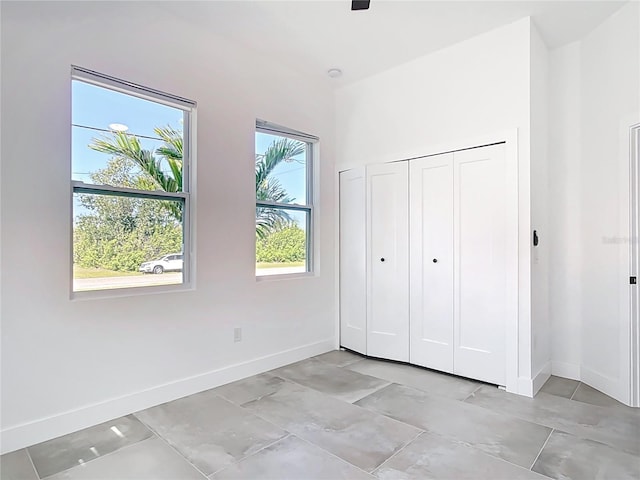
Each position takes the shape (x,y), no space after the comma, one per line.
(634,270)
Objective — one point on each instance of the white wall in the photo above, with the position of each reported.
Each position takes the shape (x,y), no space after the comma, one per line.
(475,87)
(610,94)
(478,87)
(595,98)
(565,297)
(540,325)
(67,364)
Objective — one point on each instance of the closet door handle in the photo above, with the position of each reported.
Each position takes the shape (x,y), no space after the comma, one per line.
(435,260)
(382,259)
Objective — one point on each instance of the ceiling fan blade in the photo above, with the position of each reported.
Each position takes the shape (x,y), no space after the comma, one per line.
(360,4)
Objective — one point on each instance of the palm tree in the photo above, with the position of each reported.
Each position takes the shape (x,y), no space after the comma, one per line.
(128,146)
(269,189)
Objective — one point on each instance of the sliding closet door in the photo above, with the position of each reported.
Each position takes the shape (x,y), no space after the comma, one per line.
(480,263)
(388,261)
(431,240)
(353,267)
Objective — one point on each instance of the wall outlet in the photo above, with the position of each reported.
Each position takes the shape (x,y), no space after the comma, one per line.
(237,334)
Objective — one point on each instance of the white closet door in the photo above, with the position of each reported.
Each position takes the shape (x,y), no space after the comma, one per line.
(480,246)
(388,260)
(353,266)
(431,240)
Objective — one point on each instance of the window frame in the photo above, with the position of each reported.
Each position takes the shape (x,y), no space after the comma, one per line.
(311,142)
(188,108)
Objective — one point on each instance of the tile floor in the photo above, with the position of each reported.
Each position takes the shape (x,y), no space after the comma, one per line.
(342,416)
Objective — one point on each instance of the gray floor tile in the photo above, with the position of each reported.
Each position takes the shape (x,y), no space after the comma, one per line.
(248,389)
(358,436)
(433,457)
(210,431)
(292,459)
(590,395)
(568,457)
(416,377)
(615,428)
(17,466)
(562,387)
(337,382)
(61,453)
(339,358)
(148,460)
(222,434)
(505,437)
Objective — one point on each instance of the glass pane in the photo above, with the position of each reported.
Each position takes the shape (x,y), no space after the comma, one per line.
(281,169)
(125,141)
(121,242)
(281,241)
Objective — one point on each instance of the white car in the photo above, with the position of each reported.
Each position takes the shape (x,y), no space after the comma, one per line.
(168,263)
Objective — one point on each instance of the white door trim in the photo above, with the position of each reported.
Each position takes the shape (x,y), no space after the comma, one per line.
(518,332)
(625,387)
(634,263)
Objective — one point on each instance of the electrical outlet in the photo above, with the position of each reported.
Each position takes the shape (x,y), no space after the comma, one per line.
(237,334)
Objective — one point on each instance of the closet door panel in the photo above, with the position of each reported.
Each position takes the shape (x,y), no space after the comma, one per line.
(353,265)
(431,265)
(388,285)
(480,293)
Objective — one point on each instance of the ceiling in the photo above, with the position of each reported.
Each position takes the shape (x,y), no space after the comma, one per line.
(313,36)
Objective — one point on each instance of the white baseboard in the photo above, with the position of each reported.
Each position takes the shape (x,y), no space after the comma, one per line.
(525,387)
(30,433)
(610,386)
(541,377)
(528,387)
(607,385)
(566,370)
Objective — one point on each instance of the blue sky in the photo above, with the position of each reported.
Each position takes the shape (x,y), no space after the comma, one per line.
(291,175)
(98,107)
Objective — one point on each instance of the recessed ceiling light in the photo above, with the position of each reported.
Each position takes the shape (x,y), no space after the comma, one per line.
(118,127)
(334,72)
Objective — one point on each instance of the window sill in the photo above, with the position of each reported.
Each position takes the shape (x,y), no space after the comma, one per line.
(285,276)
(130,292)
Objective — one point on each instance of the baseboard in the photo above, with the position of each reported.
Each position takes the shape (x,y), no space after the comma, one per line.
(26,434)
(566,370)
(541,377)
(607,385)
(528,387)
(525,387)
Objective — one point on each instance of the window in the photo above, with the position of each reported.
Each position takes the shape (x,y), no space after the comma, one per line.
(284,200)
(130,177)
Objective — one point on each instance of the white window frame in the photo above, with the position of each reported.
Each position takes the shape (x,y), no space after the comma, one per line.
(310,141)
(188,108)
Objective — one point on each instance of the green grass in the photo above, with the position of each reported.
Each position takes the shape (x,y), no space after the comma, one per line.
(82,272)
(279,264)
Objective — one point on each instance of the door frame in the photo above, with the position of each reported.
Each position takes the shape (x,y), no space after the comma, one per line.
(519,378)
(633,300)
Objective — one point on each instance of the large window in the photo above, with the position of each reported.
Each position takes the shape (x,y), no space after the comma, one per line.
(284,200)
(130,182)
